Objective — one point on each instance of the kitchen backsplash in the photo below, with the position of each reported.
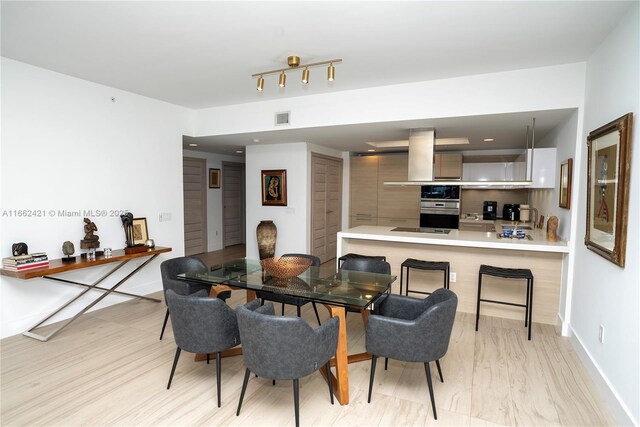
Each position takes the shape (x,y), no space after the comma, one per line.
(472,200)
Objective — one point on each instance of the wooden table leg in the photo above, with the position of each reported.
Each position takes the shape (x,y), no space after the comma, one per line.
(341,361)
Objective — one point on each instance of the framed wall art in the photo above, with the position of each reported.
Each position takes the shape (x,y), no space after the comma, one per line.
(274,187)
(565,184)
(214,178)
(140,231)
(608,167)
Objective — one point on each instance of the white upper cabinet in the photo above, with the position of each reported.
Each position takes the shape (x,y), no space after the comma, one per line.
(544,167)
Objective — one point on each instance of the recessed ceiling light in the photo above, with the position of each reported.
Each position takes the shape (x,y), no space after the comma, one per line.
(371,150)
(256,140)
(193,145)
(488,140)
(239,151)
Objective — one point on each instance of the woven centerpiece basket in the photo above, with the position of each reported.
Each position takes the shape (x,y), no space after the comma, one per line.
(286,266)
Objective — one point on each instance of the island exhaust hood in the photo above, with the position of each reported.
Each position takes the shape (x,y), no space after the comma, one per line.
(421,153)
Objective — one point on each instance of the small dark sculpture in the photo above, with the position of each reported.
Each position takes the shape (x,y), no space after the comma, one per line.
(68,249)
(19,249)
(127,223)
(90,240)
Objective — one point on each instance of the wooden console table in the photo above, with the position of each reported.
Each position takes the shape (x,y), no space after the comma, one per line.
(56,266)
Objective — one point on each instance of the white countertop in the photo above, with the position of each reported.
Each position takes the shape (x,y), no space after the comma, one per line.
(469,239)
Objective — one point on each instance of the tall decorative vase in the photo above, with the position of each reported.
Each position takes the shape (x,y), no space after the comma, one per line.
(266,232)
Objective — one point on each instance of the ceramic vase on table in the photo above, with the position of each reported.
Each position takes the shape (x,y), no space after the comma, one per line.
(266,232)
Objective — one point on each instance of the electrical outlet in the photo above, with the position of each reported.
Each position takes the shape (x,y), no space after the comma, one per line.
(452,277)
(601,334)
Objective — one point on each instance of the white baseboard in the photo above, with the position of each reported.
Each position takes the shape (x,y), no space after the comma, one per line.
(620,412)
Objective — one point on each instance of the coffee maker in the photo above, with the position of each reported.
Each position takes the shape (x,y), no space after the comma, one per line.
(511,212)
(489,209)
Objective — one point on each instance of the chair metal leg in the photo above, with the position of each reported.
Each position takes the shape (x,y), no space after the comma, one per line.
(298,311)
(282,309)
(433,400)
(478,302)
(296,400)
(313,304)
(439,370)
(373,372)
(329,380)
(208,354)
(244,388)
(386,363)
(164,325)
(173,368)
(218,371)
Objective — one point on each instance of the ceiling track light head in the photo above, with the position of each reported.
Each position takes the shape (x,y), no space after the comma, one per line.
(305,75)
(331,72)
(282,81)
(260,84)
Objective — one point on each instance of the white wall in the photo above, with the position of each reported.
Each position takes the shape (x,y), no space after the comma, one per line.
(605,294)
(214,196)
(291,220)
(67,146)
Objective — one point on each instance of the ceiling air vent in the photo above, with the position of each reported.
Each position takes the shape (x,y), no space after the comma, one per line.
(283,118)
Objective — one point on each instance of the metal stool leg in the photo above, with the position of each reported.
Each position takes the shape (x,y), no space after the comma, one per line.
(478,301)
(530,306)
(401,271)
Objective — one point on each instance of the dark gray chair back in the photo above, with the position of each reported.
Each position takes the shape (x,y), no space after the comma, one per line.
(370,265)
(202,324)
(411,329)
(284,348)
(172,267)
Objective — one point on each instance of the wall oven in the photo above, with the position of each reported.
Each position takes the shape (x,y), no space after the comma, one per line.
(440,206)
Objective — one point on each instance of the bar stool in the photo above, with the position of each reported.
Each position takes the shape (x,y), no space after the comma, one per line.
(508,273)
(410,263)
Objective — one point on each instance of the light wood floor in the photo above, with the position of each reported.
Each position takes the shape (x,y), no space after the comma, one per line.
(109,368)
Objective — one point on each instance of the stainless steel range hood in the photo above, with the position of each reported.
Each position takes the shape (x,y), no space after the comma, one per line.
(421,154)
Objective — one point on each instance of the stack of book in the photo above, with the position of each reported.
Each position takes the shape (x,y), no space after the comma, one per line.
(25,262)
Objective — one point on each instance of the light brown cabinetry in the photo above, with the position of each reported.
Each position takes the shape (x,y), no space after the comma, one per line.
(373,203)
(363,191)
(396,205)
(447,166)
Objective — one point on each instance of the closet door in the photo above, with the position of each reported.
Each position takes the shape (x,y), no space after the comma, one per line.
(326,205)
(194,187)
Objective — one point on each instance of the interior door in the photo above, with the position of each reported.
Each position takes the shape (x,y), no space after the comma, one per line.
(233,212)
(326,205)
(194,178)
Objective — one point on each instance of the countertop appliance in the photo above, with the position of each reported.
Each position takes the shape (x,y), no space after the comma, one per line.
(511,212)
(489,210)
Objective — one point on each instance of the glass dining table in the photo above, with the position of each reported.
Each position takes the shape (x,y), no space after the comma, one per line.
(338,291)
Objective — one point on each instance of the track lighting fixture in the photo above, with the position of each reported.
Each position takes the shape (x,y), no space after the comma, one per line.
(294,62)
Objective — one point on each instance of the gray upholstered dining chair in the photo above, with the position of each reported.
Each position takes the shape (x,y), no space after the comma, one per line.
(202,325)
(367,264)
(170,268)
(412,330)
(283,347)
(291,300)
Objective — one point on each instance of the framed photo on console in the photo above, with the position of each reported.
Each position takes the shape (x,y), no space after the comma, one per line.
(608,166)
(140,231)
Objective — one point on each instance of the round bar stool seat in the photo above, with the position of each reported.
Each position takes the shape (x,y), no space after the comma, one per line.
(508,273)
(417,264)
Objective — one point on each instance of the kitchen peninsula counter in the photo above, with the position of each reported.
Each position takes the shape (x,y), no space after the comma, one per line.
(466,251)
